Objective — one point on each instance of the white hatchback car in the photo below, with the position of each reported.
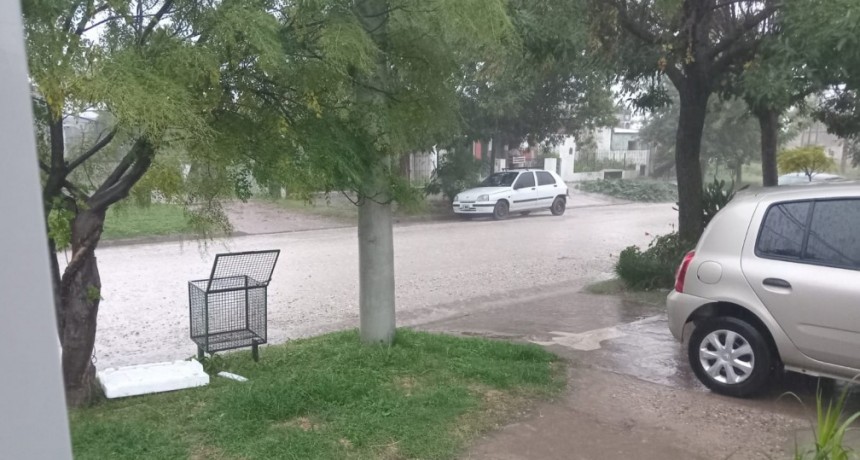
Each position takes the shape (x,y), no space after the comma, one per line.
(510,191)
(774,282)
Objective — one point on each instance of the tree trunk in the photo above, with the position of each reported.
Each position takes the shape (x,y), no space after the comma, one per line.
(739,174)
(768,120)
(81,295)
(376,261)
(688,142)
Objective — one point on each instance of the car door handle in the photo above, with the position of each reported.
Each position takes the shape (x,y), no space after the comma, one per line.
(776,282)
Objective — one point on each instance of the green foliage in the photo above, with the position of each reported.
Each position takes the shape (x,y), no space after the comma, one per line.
(93,293)
(653,268)
(808,160)
(715,197)
(541,84)
(830,430)
(457,171)
(329,397)
(633,190)
(59,222)
(824,38)
(730,138)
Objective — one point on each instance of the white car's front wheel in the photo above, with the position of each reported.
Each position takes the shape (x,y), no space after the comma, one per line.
(501,210)
(558,206)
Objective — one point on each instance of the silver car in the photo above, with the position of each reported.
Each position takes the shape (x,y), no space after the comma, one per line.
(774,283)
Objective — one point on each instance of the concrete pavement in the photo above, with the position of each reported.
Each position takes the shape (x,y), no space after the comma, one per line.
(630,392)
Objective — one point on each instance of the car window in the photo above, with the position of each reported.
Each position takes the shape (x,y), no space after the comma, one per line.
(527,179)
(502,179)
(783,230)
(833,233)
(545,178)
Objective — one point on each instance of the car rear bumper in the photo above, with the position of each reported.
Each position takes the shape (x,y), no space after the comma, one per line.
(679,307)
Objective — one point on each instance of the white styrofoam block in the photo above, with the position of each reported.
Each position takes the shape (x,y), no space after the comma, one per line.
(232,376)
(152,378)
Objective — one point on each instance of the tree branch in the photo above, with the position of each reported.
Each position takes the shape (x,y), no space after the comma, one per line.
(73,190)
(729,42)
(165,8)
(118,171)
(92,151)
(631,26)
(142,153)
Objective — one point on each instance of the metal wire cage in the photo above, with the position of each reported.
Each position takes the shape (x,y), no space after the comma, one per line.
(228,310)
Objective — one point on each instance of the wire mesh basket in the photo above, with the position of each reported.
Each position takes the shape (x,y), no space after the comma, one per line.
(229,309)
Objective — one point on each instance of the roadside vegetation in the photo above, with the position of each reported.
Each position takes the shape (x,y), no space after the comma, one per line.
(831,425)
(142,221)
(330,398)
(647,191)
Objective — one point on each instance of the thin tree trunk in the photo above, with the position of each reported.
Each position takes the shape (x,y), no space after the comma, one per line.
(739,174)
(81,295)
(375,239)
(376,261)
(768,121)
(688,142)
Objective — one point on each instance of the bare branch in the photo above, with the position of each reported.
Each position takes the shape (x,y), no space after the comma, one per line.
(102,143)
(728,45)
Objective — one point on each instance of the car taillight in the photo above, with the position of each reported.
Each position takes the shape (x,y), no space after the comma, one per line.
(681,274)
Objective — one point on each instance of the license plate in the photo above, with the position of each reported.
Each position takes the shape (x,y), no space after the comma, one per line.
(466,206)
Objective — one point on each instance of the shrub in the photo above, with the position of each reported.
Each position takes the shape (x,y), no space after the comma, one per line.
(457,171)
(633,190)
(653,268)
(715,197)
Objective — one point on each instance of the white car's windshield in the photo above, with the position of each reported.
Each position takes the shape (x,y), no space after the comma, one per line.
(502,179)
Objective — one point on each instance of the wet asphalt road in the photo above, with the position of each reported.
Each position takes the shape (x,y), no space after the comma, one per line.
(441,269)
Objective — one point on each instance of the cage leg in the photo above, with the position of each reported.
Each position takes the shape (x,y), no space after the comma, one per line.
(255,352)
(199,353)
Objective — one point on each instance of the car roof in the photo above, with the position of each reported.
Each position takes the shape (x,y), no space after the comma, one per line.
(801,192)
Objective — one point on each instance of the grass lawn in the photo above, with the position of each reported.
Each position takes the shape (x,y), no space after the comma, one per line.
(153,220)
(617,287)
(338,207)
(329,398)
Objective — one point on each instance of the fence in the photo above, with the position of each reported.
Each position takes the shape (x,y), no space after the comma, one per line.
(613,159)
(418,167)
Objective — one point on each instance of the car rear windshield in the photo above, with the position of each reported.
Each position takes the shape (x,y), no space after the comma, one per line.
(502,179)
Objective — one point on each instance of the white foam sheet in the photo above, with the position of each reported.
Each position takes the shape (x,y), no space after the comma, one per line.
(144,379)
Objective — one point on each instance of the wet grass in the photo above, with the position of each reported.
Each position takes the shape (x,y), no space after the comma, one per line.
(340,208)
(616,287)
(648,191)
(153,220)
(330,398)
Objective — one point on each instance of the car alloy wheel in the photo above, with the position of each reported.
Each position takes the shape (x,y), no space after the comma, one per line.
(501,210)
(730,356)
(558,206)
(726,356)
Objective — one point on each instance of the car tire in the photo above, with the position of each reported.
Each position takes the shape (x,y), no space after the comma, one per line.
(558,206)
(730,356)
(501,210)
